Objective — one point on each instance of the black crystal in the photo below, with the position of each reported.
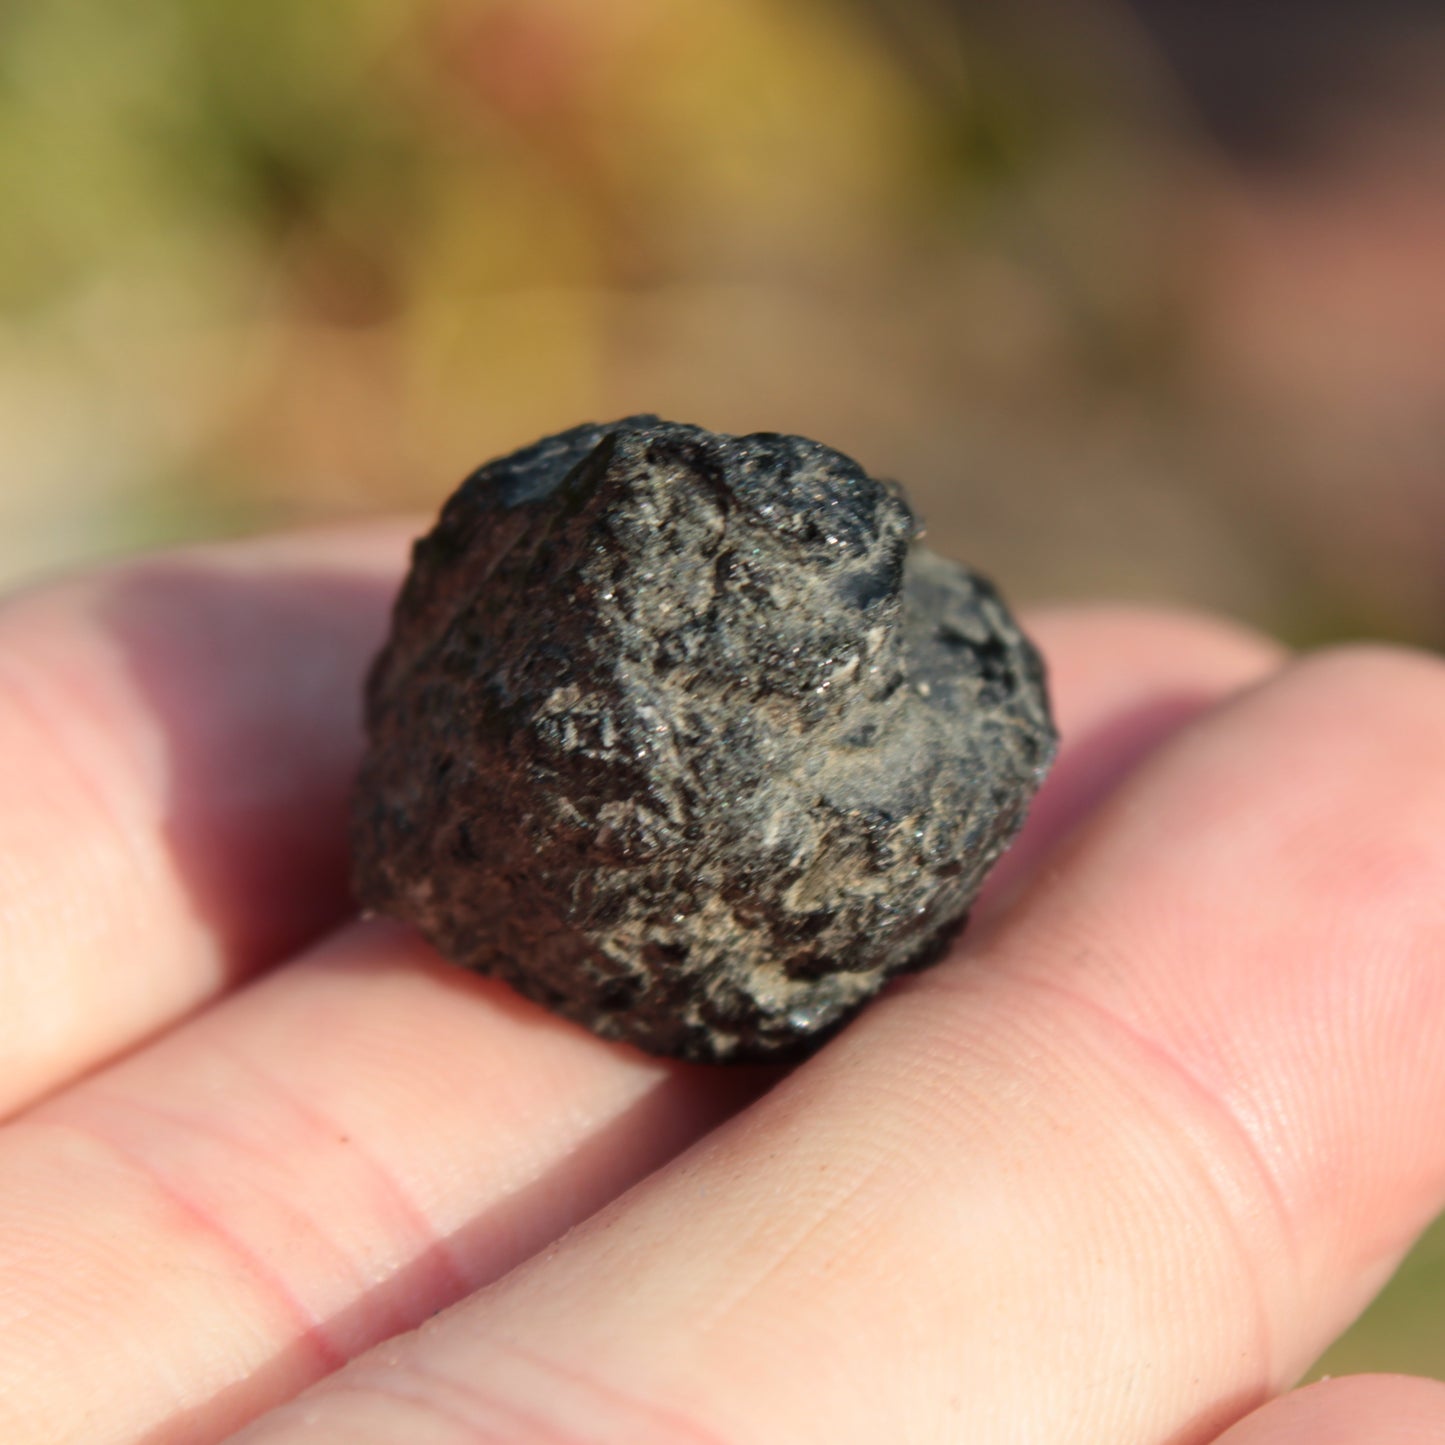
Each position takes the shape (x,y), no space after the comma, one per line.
(686,737)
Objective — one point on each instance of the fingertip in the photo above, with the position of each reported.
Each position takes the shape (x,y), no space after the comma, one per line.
(1262,903)
(1352,1410)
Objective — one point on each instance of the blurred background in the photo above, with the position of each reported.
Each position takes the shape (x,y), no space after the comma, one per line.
(1141,298)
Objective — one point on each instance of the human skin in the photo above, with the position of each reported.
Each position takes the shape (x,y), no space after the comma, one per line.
(1118,1169)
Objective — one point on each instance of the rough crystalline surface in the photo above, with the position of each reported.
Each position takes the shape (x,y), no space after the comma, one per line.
(686,737)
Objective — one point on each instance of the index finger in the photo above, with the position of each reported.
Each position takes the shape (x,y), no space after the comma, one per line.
(176,740)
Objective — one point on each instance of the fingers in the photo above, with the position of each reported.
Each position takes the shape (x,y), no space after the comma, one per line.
(1359,1410)
(176,738)
(1118,1172)
(319,1161)
(356,1141)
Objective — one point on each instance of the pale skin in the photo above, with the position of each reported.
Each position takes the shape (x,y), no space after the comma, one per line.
(1117,1170)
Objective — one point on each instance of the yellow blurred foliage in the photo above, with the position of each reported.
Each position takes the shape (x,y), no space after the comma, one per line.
(268,261)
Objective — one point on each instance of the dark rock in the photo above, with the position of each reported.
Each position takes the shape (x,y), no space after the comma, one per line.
(685,737)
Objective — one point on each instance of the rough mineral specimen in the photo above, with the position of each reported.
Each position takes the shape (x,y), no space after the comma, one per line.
(684,736)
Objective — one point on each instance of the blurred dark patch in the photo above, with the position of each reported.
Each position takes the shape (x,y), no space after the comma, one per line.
(1273,84)
(1272,80)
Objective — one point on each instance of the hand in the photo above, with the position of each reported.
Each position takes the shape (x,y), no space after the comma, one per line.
(1117,1170)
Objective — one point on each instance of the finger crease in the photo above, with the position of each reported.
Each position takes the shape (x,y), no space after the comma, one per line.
(525,1410)
(267,1281)
(422,1239)
(674,1429)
